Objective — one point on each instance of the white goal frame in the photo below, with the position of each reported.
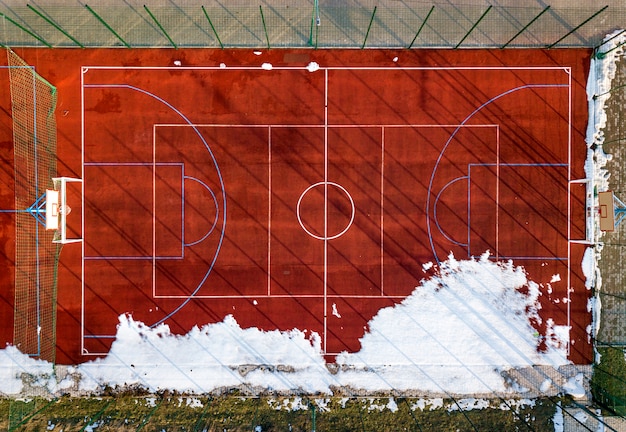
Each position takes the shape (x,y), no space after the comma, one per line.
(60,185)
(591,212)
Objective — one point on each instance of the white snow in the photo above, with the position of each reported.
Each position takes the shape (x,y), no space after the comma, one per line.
(334,310)
(555,278)
(546,385)
(267,66)
(574,386)
(486,330)
(455,333)
(558,418)
(312,67)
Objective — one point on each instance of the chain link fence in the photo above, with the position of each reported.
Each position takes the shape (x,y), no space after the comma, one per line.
(609,380)
(305,24)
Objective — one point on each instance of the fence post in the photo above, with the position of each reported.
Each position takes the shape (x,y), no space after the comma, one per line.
(597,47)
(473,27)
(315,22)
(55,25)
(526,26)
(25,30)
(369,27)
(578,26)
(212,27)
(432,8)
(267,38)
(107,26)
(160,26)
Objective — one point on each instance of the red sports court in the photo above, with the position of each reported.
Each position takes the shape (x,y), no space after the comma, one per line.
(280,190)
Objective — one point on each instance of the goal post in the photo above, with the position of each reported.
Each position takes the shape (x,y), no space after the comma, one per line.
(591,212)
(58,218)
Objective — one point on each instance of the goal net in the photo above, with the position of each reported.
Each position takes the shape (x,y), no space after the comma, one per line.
(33,101)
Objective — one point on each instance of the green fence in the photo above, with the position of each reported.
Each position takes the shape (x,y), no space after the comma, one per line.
(304,24)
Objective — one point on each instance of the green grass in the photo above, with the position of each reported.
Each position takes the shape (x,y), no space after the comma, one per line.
(231,413)
(609,379)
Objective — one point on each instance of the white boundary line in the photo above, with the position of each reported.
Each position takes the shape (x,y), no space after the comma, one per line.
(269,212)
(325,208)
(382,212)
(497,192)
(569,209)
(326,127)
(82,223)
(325,68)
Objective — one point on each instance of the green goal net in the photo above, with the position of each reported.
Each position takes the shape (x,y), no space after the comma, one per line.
(33,101)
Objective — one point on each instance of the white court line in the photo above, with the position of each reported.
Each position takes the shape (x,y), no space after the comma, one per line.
(382,211)
(82,223)
(497,192)
(289,296)
(154,212)
(326,68)
(326,126)
(330,126)
(269,211)
(325,208)
(569,209)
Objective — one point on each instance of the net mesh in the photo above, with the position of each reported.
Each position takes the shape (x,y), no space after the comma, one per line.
(33,101)
(394,24)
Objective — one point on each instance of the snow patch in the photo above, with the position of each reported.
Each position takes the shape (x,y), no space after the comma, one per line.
(334,309)
(456,333)
(312,67)
(558,420)
(574,386)
(267,66)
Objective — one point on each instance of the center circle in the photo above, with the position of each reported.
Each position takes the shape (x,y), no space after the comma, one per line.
(325,210)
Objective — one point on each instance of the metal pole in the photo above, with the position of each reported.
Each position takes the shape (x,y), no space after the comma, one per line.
(103,22)
(25,30)
(526,26)
(432,8)
(315,22)
(601,55)
(267,38)
(55,25)
(369,27)
(611,90)
(160,26)
(212,27)
(578,26)
(473,27)
(597,48)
